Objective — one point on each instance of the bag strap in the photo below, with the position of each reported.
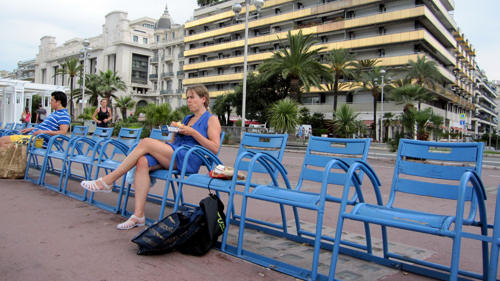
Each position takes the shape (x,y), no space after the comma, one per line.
(210,192)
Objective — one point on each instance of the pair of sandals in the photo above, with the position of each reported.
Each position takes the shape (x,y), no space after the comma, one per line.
(132,222)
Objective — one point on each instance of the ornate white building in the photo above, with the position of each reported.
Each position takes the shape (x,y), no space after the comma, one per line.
(145,53)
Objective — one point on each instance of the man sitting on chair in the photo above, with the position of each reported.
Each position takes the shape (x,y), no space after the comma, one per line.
(56,123)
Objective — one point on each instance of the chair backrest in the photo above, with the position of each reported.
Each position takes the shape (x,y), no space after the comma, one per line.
(79,131)
(321,150)
(9,126)
(101,133)
(19,126)
(273,144)
(31,125)
(434,169)
(157,135)
(129,136)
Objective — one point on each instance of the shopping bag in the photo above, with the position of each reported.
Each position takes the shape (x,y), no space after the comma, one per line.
(13,159)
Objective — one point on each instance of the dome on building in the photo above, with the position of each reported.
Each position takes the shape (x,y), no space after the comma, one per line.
(164,22)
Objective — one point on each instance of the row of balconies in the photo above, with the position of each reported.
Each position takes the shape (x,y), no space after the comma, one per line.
(171,92)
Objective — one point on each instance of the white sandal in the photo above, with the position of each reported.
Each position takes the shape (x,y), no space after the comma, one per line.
(130,223)
(93,187)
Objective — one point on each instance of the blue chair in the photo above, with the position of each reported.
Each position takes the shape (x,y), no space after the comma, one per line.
(121,147)
(83,151)
(323,159)
(251,144)
(16,129)
(423,170)
(56,148)
(8,127)
(493,266)
(31,125)
(166,175)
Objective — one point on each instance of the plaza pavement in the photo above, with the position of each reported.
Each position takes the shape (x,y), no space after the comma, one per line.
(48,236)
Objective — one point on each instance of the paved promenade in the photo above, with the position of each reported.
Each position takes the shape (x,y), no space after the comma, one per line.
(47,236)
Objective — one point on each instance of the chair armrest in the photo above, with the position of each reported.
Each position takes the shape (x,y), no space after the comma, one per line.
(353,179)
(123,148)
(208,158)
(480,197)
(270,163)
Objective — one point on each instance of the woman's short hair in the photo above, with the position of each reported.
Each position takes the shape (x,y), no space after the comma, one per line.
(201,91)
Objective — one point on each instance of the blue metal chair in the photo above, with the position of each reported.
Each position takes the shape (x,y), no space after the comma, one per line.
(493,266)
(56,148)
(16,129)
(441,171)
(31,125)
(8,127)
(323,159)
(83,151)
(166,175)
(127,139)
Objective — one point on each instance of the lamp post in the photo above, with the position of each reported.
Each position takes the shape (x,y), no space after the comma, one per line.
(84,51)
(382,74)
(237,9)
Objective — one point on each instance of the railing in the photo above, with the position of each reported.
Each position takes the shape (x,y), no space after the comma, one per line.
(153,76)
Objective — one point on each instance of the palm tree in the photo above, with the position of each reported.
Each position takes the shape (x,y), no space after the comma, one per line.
(92,83)
(370,82)
(70,67)
(345,121)
(365,65)
(284,115)
(340,63)
(424,72)
(298,63)
(124,103)
(110,83)
(410,93)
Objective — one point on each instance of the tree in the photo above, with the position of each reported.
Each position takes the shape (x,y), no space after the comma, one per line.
(260,94)
(110,82)
(92,83)
(124,103)
(340,63)
(345,121)
(70,67)
(284,115)
(297,63)
(370,82)
(361,66)
(410,93)
(157,115)
(222,108)
(424,72)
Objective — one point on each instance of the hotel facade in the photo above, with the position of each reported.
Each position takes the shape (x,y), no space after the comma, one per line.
(392,31)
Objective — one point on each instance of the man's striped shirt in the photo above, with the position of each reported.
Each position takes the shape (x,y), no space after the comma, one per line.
(54,121)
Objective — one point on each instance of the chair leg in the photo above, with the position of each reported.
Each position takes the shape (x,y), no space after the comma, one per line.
(239,250)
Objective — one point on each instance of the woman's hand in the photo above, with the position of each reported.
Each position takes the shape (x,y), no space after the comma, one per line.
(187,131)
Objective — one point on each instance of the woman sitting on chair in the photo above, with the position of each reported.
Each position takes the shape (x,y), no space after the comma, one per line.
(200,128)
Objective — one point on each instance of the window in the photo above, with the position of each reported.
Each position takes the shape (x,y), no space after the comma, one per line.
(166,36)
(351,35)
(381,8)
(349,98)
(112,62)
(381,53)
(173,35)
(55,75)
(350,14)
(324,39)
(145,40)
(277,11)
(44,74)
(157,38)
(300,5)
(136,38)
(381,30)
(139,69)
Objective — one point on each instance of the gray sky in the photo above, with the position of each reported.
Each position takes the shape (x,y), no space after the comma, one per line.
(24,22)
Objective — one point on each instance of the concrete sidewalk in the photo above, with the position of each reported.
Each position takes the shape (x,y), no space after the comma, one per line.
(48,236)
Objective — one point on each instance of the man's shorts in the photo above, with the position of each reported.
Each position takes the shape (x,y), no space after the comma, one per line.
(25,139)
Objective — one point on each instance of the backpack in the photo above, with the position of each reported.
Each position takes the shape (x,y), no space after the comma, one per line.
(192,232)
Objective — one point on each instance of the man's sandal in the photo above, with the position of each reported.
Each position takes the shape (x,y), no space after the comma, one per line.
(132,222)
(93,187)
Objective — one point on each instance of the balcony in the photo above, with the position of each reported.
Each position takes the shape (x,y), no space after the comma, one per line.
(180,73)
(167,74)
(180,91)
(166,92)
(154,59)
(153,76)
(167,57)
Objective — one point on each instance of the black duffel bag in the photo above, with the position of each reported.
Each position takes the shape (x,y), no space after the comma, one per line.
(192,232)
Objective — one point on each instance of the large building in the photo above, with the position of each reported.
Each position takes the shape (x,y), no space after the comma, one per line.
(132,49)
(393,31)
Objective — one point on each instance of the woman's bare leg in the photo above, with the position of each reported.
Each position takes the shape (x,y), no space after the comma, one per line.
(141,186)
(160,150)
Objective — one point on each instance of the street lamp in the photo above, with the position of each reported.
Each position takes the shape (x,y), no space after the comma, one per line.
(237,9)
(83,52)
(382,74)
